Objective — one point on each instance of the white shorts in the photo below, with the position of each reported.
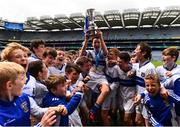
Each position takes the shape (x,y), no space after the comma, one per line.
(96,80)
(125,97)
(74,119)
(141,109)
(110,101)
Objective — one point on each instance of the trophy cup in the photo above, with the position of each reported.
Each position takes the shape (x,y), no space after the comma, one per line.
(92,26)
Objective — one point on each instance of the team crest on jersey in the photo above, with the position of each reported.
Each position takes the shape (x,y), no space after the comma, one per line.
(24,106)
(142,74)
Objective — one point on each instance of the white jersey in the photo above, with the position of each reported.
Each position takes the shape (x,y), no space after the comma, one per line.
(57,71)
(99,61)
(126,92)
(36,110)
(82,76)
(112,74)
(29,87)
(140,74)
(39,92)
(124,80)
(166,81)
(32,58)
(171,82)
(97,70)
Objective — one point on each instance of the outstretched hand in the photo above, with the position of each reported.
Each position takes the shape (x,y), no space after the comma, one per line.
(60,109)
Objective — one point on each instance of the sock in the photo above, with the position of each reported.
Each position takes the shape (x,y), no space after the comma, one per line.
(95,108)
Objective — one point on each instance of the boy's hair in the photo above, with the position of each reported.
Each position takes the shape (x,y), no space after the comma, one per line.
(35,44)
(124,56)
(6,53)
(72,67)
(50,51)
(114,50)
(9,71)
(153,77)
(82,60)
(35,67)
(53,81)
(147,49)
(171,51)
(68,56)
(59,49)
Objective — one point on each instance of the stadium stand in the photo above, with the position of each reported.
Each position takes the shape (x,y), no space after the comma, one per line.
(159,28)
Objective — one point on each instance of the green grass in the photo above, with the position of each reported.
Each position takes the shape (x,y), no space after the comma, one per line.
(159,63)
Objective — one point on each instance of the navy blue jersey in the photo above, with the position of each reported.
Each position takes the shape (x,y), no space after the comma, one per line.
(16,112)
(52,100)
(160,109)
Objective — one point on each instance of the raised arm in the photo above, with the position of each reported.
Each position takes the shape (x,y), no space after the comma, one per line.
(103,45)
(82,52)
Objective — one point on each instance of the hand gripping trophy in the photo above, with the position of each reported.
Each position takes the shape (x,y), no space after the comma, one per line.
(92,25)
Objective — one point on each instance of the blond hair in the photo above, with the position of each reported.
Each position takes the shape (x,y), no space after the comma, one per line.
(9,71)
(6,53)
(54,80)
(153,77)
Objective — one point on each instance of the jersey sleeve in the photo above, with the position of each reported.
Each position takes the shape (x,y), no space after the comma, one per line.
(35,109)
(74,102)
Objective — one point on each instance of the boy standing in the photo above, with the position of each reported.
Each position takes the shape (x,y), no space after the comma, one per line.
(159,109)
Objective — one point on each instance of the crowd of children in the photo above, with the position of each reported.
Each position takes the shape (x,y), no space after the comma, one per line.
(45,86)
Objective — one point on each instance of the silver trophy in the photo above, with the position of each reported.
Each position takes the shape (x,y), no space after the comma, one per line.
(92,25)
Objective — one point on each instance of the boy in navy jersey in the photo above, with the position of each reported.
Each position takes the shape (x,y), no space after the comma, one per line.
(15,107)
(57,96)
(159,109)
